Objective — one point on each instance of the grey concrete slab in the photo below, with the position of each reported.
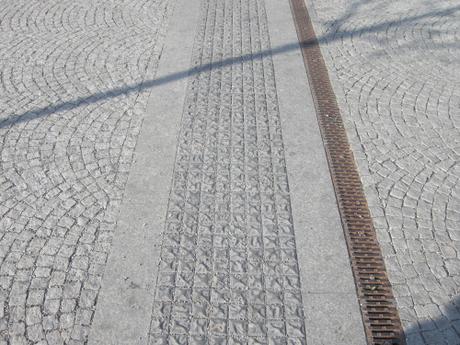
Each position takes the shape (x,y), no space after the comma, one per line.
(332,319)
(327,282)
(125,302)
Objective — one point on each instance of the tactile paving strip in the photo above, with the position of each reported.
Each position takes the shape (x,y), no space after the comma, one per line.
(228,269)
(378,306)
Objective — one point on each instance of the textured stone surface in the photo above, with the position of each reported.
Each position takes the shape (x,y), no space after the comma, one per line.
(228,272)
(396,71)
(71,106)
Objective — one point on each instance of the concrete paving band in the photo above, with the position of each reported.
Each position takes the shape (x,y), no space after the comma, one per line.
(125,305)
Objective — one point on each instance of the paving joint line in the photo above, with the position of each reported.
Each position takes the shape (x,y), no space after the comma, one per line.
(378,306)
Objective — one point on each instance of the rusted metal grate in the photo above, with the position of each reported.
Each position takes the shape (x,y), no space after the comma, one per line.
(378,307)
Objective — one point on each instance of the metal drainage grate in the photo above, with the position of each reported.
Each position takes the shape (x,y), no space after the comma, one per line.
(378,307)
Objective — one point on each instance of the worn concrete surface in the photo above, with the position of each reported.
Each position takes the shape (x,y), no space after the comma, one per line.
(396,70)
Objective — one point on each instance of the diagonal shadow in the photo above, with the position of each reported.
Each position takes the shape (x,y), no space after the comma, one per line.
(129,89)
(135,88)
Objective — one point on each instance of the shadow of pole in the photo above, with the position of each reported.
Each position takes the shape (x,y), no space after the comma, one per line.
(129,89)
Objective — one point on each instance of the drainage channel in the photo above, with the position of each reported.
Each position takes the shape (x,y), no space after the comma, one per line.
(378,306)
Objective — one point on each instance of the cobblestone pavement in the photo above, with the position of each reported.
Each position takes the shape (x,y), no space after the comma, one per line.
(228,271)
(71,105)
(396,70)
